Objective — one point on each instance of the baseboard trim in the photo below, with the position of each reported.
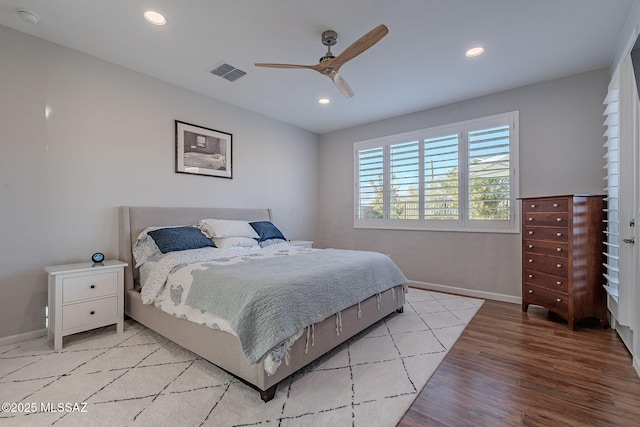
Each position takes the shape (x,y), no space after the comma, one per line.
(636,364)
(465,292)
(22,337)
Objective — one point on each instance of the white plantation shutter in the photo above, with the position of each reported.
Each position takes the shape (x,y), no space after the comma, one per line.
(441,189)
(461,176)
(369,184)
(489,174)
(612,178)
(404,167)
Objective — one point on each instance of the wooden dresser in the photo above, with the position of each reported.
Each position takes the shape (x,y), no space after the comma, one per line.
(562,256)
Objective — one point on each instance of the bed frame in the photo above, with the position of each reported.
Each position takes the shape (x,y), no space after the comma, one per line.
(221,348)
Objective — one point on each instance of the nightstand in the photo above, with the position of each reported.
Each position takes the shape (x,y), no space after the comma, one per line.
(85,296)
(301,243)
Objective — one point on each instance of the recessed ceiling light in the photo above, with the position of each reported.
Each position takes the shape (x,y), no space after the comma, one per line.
(324,101)
(29,17)
(475,51)
(155,18)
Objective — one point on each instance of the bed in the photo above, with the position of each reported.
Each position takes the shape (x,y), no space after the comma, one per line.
(223,348)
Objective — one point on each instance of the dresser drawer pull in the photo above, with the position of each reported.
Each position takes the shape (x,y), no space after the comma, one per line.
(92,286)
(92,312)
(533,206)
(559,249)
(530,232)
(558,219)
(531,276)
(559,265)
(558,283)
(555,205)
(530,291)
(530,219)
(558,299)
(558,234)
(530,246)
(530,260)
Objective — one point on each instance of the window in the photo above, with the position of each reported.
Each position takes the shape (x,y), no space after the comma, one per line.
(459,177)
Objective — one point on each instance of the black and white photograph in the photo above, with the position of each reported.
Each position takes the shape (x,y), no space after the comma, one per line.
(202,151)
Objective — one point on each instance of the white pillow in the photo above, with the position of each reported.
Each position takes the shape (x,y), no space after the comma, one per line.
(144,246)
(229,242)
(219,228)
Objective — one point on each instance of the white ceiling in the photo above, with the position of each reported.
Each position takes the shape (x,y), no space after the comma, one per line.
(420,64)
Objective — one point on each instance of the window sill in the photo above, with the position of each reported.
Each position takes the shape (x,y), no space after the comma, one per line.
(449,230)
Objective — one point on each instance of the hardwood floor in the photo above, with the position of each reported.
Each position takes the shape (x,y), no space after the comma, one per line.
(511,368)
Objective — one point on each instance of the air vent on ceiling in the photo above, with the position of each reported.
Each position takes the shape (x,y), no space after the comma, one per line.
(228,72)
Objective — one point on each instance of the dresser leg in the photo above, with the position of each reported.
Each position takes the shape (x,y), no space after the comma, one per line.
(572,323)
(525,307)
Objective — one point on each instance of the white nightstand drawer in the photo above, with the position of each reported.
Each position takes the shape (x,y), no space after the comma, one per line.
(90,312)
(89,286)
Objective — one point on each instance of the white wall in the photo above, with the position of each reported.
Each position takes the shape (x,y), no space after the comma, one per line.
(560,153)
(109,140)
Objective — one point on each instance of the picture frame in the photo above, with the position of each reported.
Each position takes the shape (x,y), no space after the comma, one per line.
(203,151)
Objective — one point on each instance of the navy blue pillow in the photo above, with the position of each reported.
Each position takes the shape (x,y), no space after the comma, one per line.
(179,239)
(266,230)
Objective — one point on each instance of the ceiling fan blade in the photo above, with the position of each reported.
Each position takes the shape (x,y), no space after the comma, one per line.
(342,85)
(318,67)
(284,65)
(359,46)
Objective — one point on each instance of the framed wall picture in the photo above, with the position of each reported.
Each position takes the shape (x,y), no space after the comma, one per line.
(203,151)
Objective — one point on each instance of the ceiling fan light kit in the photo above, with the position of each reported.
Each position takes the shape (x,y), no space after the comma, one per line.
(329,64)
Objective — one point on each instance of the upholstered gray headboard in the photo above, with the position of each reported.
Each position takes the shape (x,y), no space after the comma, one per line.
(134,219)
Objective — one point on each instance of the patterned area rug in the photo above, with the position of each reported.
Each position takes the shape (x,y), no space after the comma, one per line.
(139,378)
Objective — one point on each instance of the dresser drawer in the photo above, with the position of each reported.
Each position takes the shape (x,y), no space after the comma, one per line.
(546,298)
(558,249)
(544,280)
(557,234)
(87,313)
(546,205)
(546,264)
(546,219)
(90,286)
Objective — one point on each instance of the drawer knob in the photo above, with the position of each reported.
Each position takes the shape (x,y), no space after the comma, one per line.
(559,249)
(558,234)
(558,282)
(530,246)
(531,276)
(559,265)
(530,291)
(555,205)
(530,219)
(92,312)
(558,219)
(530,232)
(533,206)
(92,286)
(530,260)
(559,299)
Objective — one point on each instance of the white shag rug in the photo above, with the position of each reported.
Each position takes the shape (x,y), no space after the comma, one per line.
(139,378)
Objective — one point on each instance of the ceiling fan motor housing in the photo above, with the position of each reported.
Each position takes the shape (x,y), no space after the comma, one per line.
(329,38)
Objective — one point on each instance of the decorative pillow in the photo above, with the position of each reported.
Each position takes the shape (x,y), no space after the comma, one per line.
(220,228)
(270,242)
(229,242)
(179,239)
(267,230)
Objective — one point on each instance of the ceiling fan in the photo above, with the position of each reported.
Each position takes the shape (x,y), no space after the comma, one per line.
(330,64)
